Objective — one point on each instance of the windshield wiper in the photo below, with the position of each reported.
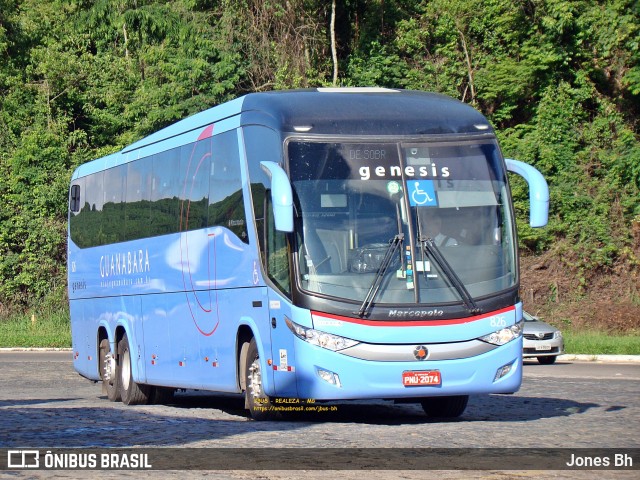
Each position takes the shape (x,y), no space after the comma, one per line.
(445,267)
(377,281)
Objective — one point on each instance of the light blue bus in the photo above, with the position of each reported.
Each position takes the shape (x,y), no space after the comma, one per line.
(321,244)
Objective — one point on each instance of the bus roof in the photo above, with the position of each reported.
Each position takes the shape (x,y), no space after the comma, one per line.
(326,111)
(360,111)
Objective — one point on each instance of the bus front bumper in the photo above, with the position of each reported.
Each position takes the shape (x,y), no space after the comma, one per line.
(329,375)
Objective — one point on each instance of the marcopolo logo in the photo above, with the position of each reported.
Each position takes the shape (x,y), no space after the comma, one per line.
(411,314)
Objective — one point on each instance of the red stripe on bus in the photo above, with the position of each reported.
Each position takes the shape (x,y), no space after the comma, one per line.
(206,133)
(417,323)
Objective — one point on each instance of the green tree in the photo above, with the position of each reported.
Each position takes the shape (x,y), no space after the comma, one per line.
(560,80)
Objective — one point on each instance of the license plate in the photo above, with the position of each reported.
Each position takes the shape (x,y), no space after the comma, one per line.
(543,348)
(421,379)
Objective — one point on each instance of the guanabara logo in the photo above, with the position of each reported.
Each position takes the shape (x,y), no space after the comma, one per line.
(124,263)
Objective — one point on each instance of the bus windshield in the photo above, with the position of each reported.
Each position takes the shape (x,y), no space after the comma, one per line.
(402,223)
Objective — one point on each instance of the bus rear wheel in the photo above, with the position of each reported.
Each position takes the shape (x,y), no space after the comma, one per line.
(131,392)
(445,407)
(109,371)
(256,401)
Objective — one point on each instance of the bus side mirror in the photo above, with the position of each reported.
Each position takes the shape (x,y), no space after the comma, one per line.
(281,196)
(538,191)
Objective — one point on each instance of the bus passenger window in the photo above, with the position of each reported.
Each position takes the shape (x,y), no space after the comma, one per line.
(226,203)
(165,193)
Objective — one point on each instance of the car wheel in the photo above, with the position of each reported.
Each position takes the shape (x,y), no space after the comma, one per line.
(547,360)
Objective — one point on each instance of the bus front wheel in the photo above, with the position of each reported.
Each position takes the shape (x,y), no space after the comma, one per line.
(131,392)
(445,407)
(258,403)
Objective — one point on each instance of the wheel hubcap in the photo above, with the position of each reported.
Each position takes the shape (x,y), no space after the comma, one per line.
(255,379)
(126,370)
(109,367)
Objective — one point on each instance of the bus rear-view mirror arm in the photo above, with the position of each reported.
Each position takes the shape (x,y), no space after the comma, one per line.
(538,191)
(281,196)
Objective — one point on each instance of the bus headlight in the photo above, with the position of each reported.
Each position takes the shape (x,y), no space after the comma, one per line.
(504,335)
(321,339)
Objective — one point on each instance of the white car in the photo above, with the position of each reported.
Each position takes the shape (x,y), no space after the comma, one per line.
(541,340)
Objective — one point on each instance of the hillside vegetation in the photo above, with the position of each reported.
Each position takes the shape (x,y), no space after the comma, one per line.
(560,80)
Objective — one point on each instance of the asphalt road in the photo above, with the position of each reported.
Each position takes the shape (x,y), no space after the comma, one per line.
(44,404)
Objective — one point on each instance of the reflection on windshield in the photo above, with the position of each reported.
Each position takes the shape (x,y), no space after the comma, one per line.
(381,271)
(353,200)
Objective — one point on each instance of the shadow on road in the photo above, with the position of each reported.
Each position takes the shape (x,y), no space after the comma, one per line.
(189,419)
(494,408)
(34,401)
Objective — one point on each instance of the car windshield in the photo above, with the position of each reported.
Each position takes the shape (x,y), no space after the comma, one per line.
(440,210)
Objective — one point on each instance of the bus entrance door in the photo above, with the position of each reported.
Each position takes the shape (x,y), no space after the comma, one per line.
(282,346)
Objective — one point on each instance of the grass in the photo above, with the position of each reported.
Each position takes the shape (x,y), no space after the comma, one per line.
(51,329)
(44,329)
(601,343)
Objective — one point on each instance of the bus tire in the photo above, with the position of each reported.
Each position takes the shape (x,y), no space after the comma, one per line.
(259,405)
(131,392)
(109,367)
(445,407)
(161,395)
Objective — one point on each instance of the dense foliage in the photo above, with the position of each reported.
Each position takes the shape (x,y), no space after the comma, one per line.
(560,79)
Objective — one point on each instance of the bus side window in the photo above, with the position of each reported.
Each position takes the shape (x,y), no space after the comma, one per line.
(115,185)
(165,193)
(85,223)
(74,204)
(195,161)
(226,203)
(76,218)
(277,251)
(138,194)
(264,144)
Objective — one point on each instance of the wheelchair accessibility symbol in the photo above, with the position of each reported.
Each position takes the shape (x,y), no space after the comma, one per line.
(421,193)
